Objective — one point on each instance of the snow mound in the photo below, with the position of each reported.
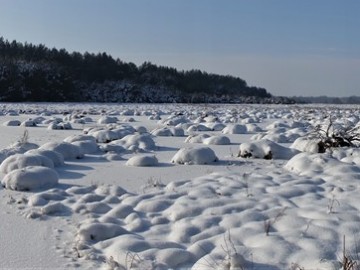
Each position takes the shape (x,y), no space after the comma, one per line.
(306,145)
(79,137)
(25,146)
(55,157)
(95,232)
(113,148)
(104,136)
(347,155)
(107,120)
(140,129)
(174,120)
(12,123)
(197,127)
(60,126)
(313,165)
(137,141)
(19,161)
(165,131)
(196,138)
(31,178)
(28,123)
(87,146)
(68,150)
(215,126)
(266,149)
(253,128)
(128,119)
(110,133)
(87,143)
(281,135)
(278,137)
(16,148)
(216,140)
(235,129)
(196,156)
(142,161)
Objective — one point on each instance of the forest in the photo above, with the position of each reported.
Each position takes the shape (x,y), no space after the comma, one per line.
(31,72)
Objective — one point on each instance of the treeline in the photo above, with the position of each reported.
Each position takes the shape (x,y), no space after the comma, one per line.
(36,73)
(328,100)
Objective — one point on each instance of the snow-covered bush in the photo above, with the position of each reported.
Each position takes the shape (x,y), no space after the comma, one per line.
(87,146)
(305,144)
(314,164)
(216,140)
(140,129)
(277,137)
(68,150)
(189,156)
(55,157)
(79,137)
(113,147)
(107,120)
(177,131)
(95,232)
(142,161)
(61,126)
(28,123)
(104,136)
(137,141)
(38,120)
(18,147)
(235,129)
(196,138)
(19,161)
(12,123)
(163,131)
(30,178)
(197,127)
(168,131)
(215,126)
(253,128)
(266,149)
(174,120)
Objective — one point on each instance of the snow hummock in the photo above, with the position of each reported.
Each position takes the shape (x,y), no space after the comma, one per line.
(142,161)
(305,144)
(266,149)
(192,156)
(235,129)
(30,178)
(137,141)
(19,161)
(55,157)
(217,140)
(67,150)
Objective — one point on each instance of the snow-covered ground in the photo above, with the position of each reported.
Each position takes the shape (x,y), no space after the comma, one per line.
(143,186)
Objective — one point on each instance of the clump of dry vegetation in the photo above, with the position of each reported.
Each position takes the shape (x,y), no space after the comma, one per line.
(337,135)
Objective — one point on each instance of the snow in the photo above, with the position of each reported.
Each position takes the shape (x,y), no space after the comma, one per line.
(30,178)
(19,161)
(67,150)
(266,149)
(142,161)
(128,201)
(199,155)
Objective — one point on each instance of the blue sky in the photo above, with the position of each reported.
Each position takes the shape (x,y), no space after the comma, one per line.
(307,47)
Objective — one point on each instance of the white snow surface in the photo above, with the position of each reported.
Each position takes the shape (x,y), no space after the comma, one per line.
(126,201)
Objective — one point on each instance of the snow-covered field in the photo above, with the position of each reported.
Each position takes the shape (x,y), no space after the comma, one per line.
(177,187)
